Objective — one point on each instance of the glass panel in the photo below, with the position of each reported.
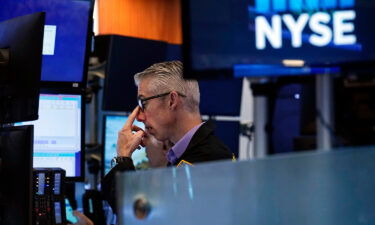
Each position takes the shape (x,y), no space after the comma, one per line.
(324,188)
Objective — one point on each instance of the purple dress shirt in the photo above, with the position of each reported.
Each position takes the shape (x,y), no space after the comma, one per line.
(180,147)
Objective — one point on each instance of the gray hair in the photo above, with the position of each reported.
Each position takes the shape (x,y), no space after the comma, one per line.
(168,76)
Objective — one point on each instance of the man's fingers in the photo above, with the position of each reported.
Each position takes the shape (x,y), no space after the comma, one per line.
(139,134)
(78,214)
(144,141)
(147,138)
(129,122)
(82,219)
(136,128)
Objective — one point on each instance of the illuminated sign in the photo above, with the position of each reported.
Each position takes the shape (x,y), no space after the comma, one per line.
(256,37)
(317,22)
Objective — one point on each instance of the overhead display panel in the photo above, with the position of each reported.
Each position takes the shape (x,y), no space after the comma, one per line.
(255,37)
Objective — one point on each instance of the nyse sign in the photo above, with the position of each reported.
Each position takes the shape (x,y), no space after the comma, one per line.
(335,27)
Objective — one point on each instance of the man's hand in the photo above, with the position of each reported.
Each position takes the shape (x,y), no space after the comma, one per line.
(127,141)
(156,151)
(82,219)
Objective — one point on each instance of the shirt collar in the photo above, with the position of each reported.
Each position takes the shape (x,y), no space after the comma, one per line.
(180,147)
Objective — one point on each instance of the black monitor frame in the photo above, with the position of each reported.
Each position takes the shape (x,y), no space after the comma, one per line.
(22,38)
(16,161)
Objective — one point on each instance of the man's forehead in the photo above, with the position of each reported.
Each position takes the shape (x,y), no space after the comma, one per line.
(143,88)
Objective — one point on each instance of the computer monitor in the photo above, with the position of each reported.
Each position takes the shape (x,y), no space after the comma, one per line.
(21,41)
(58,133)
(65,35)
(16,148)
(126,57)
(112,125)
(220,97)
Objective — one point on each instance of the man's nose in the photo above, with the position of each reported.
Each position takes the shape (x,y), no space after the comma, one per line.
(141,116)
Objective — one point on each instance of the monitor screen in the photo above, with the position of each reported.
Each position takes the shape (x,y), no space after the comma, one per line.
(58,133)
(260,37)
(65,35)
(112,125)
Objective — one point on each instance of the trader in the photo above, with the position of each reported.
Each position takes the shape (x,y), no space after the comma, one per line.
(168,105)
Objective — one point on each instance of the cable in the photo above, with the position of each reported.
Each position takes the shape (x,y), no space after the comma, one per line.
(248,150)
(336,139)
(247,130)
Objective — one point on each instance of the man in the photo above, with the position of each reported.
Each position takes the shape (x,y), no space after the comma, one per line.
(81,219)
(156,152)
(168,105)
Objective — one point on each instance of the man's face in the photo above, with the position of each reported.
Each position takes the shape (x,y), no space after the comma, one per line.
(156,115)
(156,151)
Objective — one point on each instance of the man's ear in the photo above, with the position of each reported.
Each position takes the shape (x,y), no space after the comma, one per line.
(173,100)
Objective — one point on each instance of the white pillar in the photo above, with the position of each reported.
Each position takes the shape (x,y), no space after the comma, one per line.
(260,120)
(324,106)
(246,150)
